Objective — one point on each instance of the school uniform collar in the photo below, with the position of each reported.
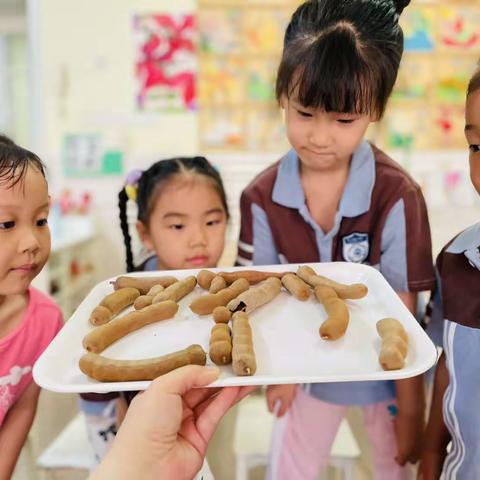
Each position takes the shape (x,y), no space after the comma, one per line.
(356,198)
(468,243)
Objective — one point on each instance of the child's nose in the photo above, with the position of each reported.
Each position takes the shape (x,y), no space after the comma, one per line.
(29,242)
(199,237)
(320,136)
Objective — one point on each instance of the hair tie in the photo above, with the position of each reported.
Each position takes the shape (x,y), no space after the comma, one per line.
(131,185)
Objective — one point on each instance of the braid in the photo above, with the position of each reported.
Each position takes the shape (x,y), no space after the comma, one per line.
(122,206)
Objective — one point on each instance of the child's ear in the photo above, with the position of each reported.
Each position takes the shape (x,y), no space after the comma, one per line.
(144,235)
(283,102)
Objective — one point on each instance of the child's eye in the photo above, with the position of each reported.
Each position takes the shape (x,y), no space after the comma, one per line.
(345,120)
(304,114)
(211,223)
(474,148)
(177,226)
(42,222)
(6,225)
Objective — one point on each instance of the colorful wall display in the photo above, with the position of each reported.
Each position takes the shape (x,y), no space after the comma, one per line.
(166,62)
(238,62)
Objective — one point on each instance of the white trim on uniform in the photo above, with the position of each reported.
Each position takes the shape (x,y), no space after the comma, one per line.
(245,247)
(244,261)
(456,458)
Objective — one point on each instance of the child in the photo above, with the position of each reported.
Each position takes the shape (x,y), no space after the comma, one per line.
(335,197)
(456,393)
(28,319)
(182,216)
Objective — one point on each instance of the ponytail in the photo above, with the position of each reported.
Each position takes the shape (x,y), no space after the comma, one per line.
(127,239)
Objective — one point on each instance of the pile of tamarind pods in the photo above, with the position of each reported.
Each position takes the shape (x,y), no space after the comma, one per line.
(231,298)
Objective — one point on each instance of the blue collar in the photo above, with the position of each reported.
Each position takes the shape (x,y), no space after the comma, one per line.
(288,191)
(468,243)
(468,239)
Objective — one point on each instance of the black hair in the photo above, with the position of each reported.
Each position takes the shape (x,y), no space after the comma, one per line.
(342,56)
(149,186)
(474,83)
(15,161)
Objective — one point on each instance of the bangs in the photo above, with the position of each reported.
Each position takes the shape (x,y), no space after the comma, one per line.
(14,163)
(330,74)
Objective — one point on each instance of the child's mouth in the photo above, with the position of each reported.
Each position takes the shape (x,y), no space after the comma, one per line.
(199,260)
(27,268)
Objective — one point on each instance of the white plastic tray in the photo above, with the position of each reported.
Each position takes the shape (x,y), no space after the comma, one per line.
(285,332)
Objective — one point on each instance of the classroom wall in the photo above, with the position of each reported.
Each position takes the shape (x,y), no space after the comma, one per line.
(84,75)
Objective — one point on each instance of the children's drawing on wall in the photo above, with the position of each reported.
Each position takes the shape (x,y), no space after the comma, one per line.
(220,81)
(222,129)
(220,31)
(166,62)
(418,30)
(414,78)
(458,29)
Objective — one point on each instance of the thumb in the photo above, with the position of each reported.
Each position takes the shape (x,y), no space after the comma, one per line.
(183,379)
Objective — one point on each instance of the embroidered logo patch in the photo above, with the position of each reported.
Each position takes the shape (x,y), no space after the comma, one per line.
(355,247)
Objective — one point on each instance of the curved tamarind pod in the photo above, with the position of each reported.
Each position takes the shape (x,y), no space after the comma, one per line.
(106,369)
(206,303)
(394,344)
(221,314)
(296,286)
(255,297)
(218,283)
(142,284)
(176,291)
(220,350)
(112,304)
(243,353)
(145,300)
(204,278)
(353,291)
(391,325)
(253,276)
(335,326)
(142,301)
(99,339)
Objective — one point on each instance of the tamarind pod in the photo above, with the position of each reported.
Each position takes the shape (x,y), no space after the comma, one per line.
(397,341)
(296,286)
(394,344)
(253,276)
(205,304)
(204,278)
(176,291)
(255,297)
(218,283)
(105,369)
(335,326)
(145,300)
(389,325)
(112,304)
(142,301)
(156,289)
(142,284)
(352,292)
(391,357)
(220,349)
(99,339)
(243,353)
(221,314)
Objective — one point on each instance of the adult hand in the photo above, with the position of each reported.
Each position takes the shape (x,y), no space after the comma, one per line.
(167,428)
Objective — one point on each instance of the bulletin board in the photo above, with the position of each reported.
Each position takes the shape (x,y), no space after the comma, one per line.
(238,63)
(442,47)
(237,69)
